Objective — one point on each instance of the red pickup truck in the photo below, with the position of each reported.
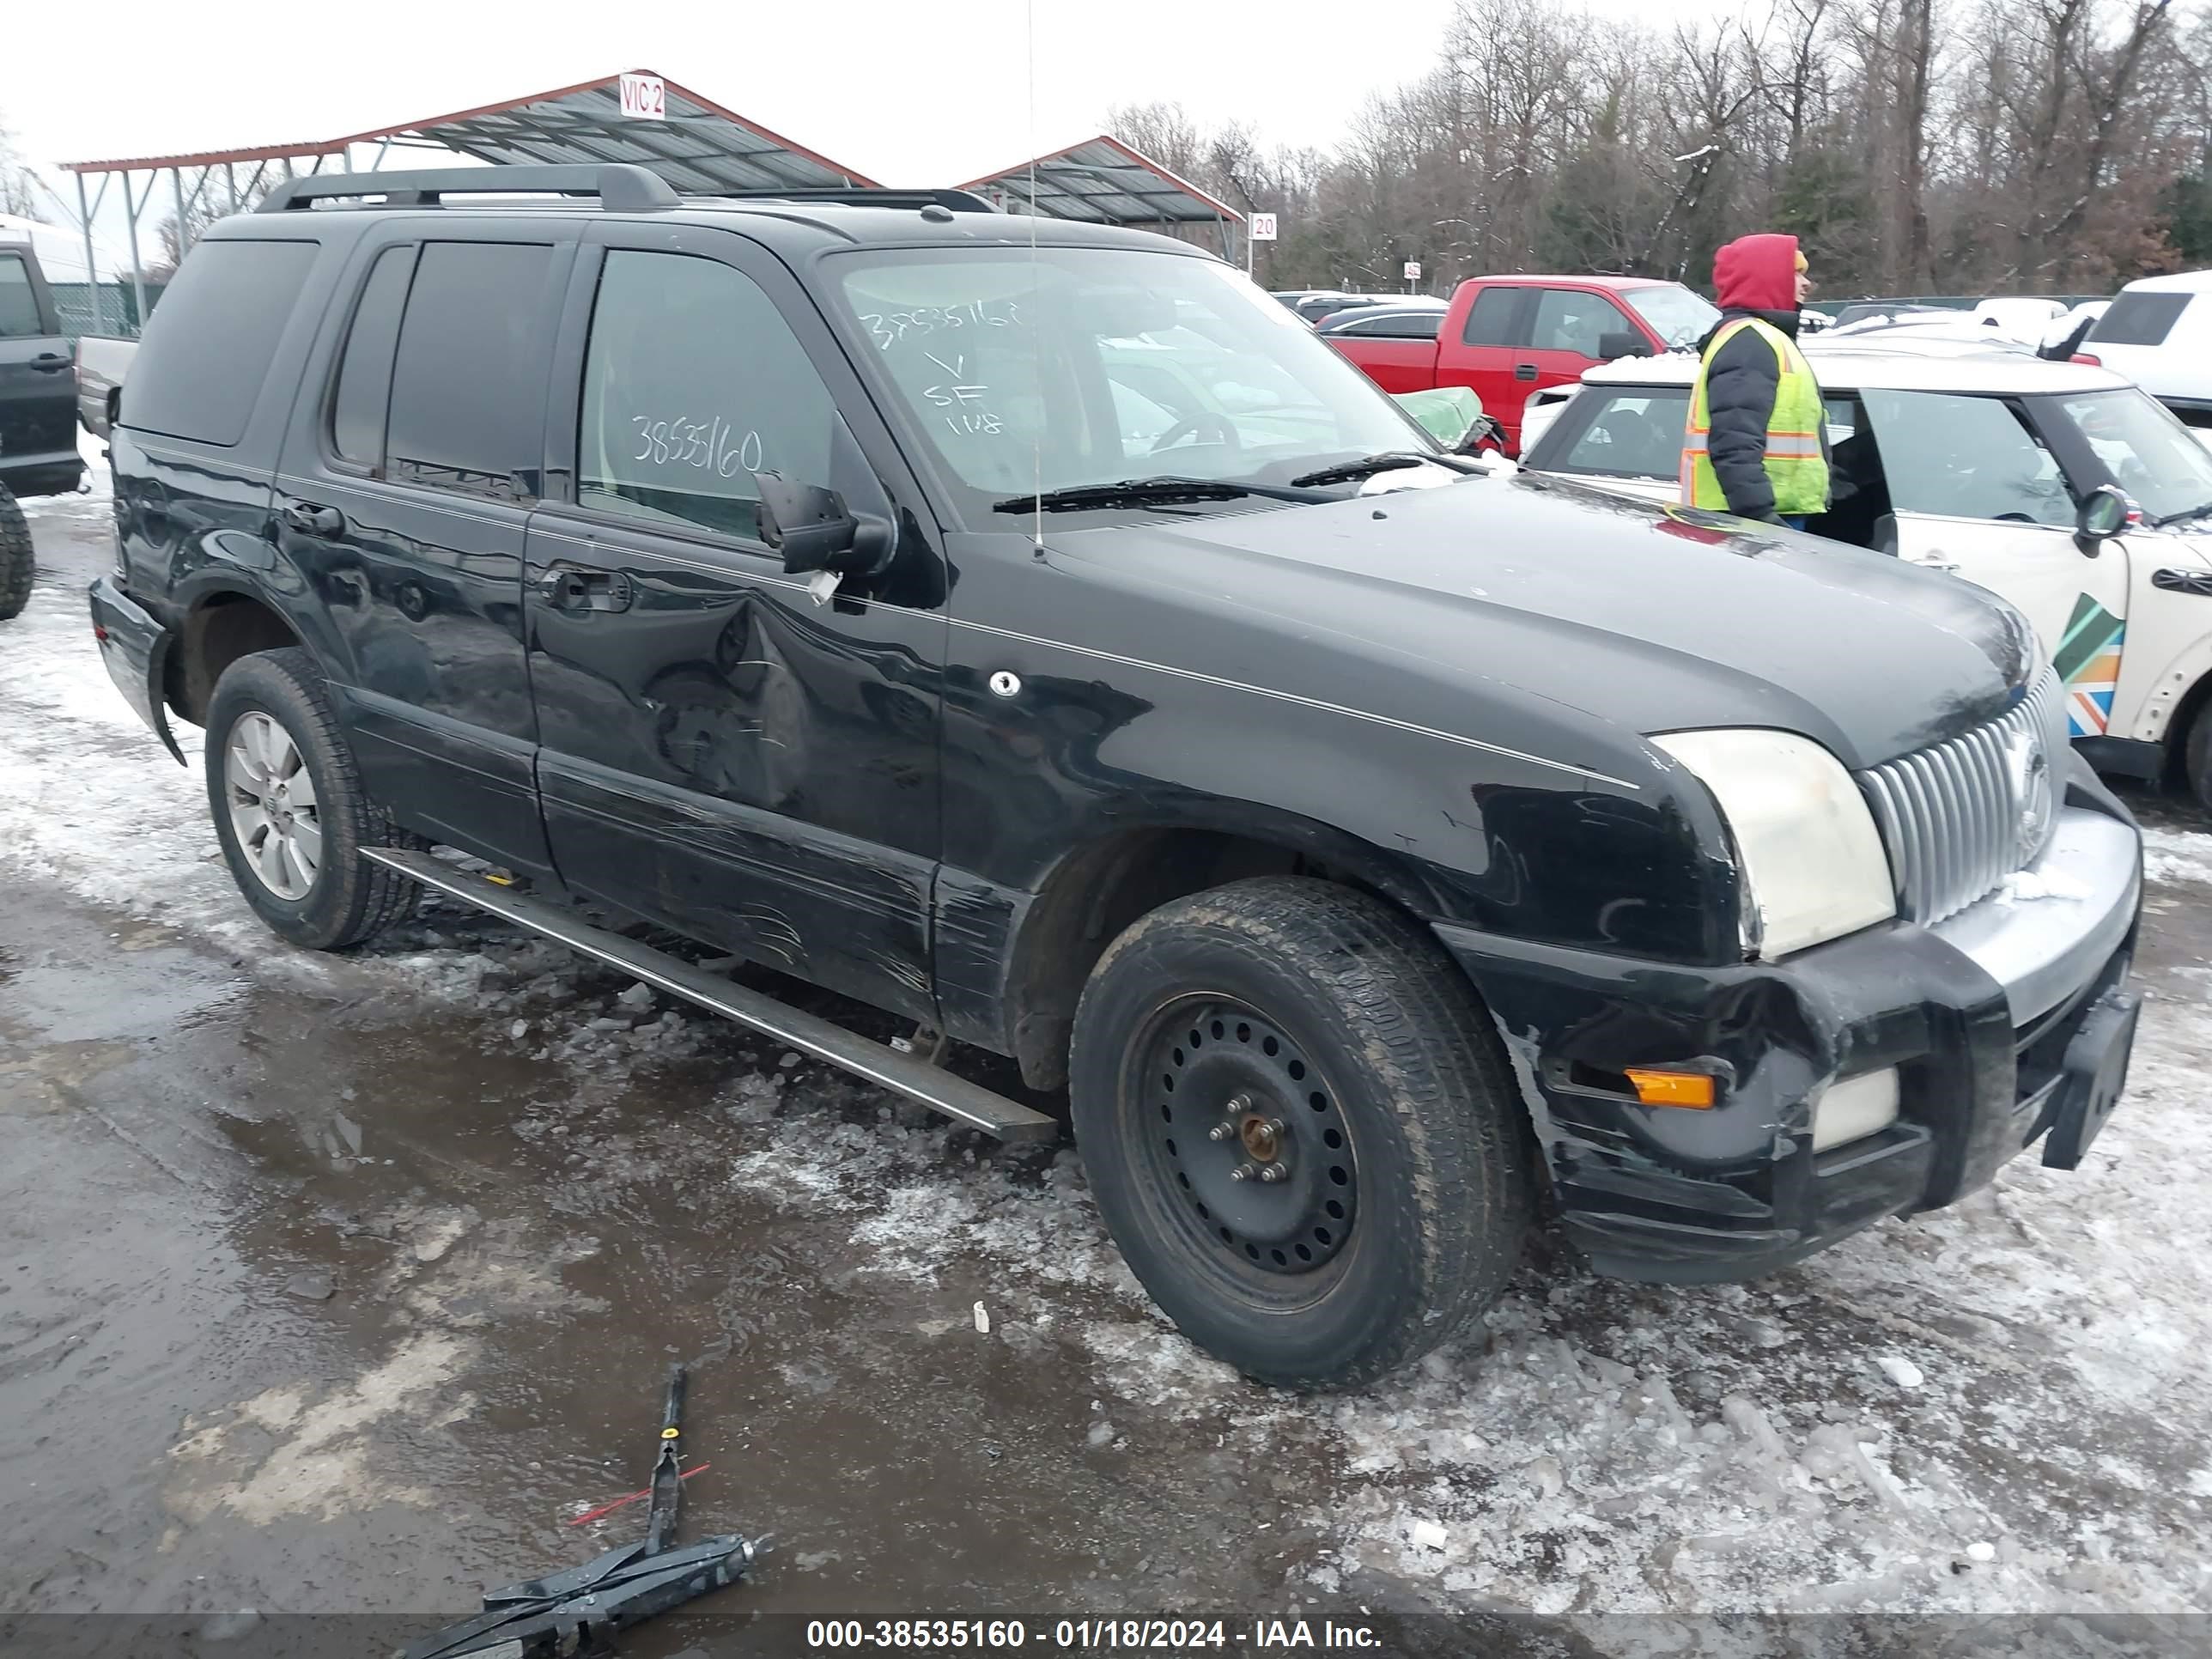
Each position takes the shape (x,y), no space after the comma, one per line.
(1507,336)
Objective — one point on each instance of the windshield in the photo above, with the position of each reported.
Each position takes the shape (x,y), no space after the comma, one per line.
(2150,455)
(1075,366)
(1676,315)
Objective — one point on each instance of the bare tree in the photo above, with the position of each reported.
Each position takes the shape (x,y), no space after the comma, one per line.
(19,186)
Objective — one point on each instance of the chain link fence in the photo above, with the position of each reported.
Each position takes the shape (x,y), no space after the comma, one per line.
(101,307)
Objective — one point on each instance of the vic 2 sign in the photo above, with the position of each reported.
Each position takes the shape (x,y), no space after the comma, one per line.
(644,98)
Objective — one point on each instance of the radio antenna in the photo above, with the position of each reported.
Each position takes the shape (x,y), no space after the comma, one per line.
(1036,343)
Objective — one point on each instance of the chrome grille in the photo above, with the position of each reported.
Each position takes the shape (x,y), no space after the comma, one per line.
(1960,817)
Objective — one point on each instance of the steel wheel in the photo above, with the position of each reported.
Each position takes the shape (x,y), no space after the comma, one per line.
(1246,1137)
(273,810)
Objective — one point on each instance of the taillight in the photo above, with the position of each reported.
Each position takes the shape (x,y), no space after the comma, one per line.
(2084,357)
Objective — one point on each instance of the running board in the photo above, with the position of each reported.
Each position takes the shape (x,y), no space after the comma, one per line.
(917,1080)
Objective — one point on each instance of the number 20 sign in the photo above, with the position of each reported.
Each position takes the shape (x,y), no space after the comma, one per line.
(644,98)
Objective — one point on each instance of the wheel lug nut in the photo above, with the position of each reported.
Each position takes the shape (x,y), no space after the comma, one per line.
(1239,1105)
(1242,1172)
(1221,1132)
(1272,1172)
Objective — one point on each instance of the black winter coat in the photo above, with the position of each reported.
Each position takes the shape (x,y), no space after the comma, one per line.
(1740,389)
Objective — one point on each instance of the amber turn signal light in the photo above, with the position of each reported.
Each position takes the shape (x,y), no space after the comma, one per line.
(1693,1088)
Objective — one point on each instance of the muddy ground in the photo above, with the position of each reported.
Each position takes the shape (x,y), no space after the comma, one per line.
(344,1285)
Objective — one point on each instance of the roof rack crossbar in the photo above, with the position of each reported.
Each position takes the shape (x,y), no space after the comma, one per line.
(959,201)
(620,186)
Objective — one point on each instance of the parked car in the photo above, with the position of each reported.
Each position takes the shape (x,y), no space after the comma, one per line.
(1983,464)
(1358,860)
(1509,337)
(1319,308)
(1391,322)
(2158,332)
(102,361)
(38,439)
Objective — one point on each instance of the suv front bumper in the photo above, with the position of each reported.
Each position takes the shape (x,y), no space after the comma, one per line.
(2007,1023)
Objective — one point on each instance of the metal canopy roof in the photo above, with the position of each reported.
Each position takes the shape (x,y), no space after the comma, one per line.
(699,146)
(1103,180)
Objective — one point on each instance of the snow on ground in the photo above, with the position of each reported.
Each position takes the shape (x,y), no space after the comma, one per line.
(1999,1407)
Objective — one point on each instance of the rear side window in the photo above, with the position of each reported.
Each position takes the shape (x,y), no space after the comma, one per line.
(364,383)
(468,380)
(1631,434)
(2143,319)
(208,344)
(1490,320)
(18,305)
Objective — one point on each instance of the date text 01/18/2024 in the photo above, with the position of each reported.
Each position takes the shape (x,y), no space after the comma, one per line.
(1212,1635)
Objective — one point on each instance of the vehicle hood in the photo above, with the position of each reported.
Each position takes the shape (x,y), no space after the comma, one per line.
(1533,594)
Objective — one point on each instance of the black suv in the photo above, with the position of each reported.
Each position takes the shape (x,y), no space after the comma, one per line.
(1035,631)
(37,412)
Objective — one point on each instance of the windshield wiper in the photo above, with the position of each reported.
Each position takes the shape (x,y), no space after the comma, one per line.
(2198,512)
(1366,467)
(1146,492)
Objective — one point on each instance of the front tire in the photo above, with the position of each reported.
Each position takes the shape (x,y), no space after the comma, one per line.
(2196,755)
(16,561)
(289,809)
(1300,1129)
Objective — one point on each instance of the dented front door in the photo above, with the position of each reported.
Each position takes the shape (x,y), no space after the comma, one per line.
(720,752)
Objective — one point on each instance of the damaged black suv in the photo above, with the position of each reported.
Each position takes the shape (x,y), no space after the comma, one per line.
(1034,631)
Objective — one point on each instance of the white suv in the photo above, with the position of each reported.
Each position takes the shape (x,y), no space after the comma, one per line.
(2159,334)
(1988,464)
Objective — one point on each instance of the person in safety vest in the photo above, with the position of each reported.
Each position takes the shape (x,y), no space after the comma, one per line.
(1757,444)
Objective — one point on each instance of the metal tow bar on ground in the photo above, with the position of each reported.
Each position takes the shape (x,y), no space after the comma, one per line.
(581,1611)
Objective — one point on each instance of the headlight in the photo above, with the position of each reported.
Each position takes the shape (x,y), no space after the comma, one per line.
(1813,863)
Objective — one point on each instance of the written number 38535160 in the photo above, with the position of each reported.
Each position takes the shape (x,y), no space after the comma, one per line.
(715,445)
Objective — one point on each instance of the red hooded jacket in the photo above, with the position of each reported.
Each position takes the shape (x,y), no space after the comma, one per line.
(1757,273)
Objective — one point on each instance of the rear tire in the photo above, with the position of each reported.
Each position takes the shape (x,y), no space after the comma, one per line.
(1317,1039)
(294,852)
(16,561)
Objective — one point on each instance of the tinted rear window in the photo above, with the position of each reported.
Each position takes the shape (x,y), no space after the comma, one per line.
(468,385)
(208,344)
(19,304)
(364,385)
(2143,320)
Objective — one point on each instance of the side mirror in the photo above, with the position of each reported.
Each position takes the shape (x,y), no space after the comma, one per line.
(813,530)
(2102,515)
(1626,343)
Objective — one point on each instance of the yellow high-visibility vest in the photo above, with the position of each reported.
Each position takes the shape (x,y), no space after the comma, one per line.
(1794,463)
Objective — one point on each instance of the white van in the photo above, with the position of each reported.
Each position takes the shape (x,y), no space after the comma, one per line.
(1983,463)
(2159,334)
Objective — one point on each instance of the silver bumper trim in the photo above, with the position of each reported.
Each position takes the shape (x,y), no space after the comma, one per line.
(2042,949)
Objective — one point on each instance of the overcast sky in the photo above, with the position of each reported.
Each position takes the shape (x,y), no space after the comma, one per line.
(907,93)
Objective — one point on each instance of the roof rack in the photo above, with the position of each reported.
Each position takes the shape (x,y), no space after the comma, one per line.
(621,187)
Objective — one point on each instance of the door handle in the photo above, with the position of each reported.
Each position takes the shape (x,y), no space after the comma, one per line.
(50,362)
(1524,371)
(580,587)
(310,520)
(1935,561)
